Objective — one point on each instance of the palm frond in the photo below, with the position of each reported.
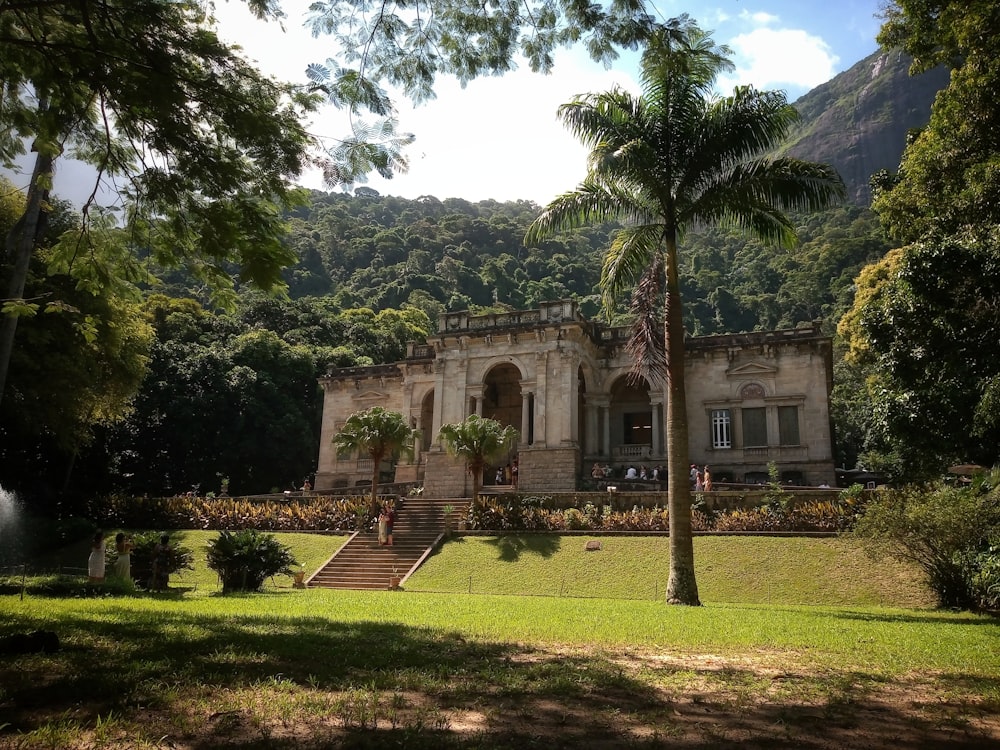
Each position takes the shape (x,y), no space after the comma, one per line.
(646,343)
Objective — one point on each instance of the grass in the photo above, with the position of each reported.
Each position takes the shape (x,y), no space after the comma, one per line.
(311,550)
(734,569)
(318,668)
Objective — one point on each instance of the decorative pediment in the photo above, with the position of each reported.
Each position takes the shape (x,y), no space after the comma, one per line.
(371,396)
(752,370)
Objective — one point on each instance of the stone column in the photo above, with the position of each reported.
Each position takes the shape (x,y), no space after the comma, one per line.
(654,447)
(591,441)
(606,436)
(439,368)
(569,399)
(525,414)
(541,374)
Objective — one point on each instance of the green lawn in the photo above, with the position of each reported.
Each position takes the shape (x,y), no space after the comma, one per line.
(730,569)
(605,664)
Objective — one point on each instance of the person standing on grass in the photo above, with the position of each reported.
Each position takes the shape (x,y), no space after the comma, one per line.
(161,564)
(123,565)
(96,562)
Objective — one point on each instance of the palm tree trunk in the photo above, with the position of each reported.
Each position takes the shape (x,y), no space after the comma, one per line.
(19,247)
(681,587)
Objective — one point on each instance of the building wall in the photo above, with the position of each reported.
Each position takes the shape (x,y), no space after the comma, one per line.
(563,382)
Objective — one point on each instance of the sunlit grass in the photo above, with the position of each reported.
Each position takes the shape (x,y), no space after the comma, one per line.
(731,569)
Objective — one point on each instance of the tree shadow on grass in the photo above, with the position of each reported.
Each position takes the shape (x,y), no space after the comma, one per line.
(510,547)
(248,681)
(938,617)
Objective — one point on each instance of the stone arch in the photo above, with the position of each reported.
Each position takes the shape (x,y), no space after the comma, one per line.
(752,391)
(502,399)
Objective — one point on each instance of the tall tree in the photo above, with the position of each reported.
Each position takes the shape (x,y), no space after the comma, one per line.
(924,333)
(477,440)
(377,432)
(198,145)
(661,162)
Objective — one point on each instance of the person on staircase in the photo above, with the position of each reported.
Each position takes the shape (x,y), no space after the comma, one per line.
(390,512)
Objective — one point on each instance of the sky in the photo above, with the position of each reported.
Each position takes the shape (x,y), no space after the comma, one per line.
(499,138)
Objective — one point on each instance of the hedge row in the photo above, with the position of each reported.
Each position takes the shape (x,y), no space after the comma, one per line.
(514,513)
(315,513)
(509,512)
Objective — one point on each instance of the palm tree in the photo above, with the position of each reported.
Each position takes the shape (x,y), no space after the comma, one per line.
(477,440)
(674,157)
(379,433)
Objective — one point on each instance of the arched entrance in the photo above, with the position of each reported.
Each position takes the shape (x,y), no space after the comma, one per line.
(502,401)
(502,396)
(631,420)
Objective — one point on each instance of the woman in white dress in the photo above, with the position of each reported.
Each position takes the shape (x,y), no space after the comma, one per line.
(123,565)
(96,561)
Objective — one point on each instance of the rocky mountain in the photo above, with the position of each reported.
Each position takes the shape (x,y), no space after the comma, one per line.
(858,121)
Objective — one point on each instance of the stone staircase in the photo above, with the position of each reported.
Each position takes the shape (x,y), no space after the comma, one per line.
(361,563)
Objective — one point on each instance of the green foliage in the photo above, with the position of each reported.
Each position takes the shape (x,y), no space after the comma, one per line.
(476,440)
(512,512)
(407,45)
(314,513)
(923,337)
(180,557)
(244,559)
(948,176)
(377,433)
(950,532)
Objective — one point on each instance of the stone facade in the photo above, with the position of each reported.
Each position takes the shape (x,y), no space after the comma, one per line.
(752,399)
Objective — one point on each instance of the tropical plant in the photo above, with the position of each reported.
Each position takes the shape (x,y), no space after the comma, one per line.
(377,432)
(180,557)
(244,559)
(675,157)
(477,439)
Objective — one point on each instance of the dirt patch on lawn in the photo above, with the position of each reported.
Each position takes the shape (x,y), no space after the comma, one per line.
(527,698)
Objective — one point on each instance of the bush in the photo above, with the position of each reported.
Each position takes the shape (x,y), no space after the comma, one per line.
(244,559)
(949,532)
(180,558)
(315,513)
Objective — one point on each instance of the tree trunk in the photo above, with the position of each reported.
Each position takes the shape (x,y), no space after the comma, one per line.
(681,587)
(19,247)
(476,467)
(377,461)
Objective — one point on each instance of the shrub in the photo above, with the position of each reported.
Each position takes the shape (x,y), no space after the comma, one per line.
(244,559)
(180,558)
(948,532)
(315,513)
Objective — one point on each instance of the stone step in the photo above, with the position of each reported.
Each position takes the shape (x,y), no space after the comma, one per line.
(363,563)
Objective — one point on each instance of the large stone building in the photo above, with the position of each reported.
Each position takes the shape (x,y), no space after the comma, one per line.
(563,381)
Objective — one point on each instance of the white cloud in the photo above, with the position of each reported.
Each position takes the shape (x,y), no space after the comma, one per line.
(499,138)
(759,18)
(790,59)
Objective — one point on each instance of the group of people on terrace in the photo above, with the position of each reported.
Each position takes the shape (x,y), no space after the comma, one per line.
(701,478)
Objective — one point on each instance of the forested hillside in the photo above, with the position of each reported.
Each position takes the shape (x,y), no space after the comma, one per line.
(387,252)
